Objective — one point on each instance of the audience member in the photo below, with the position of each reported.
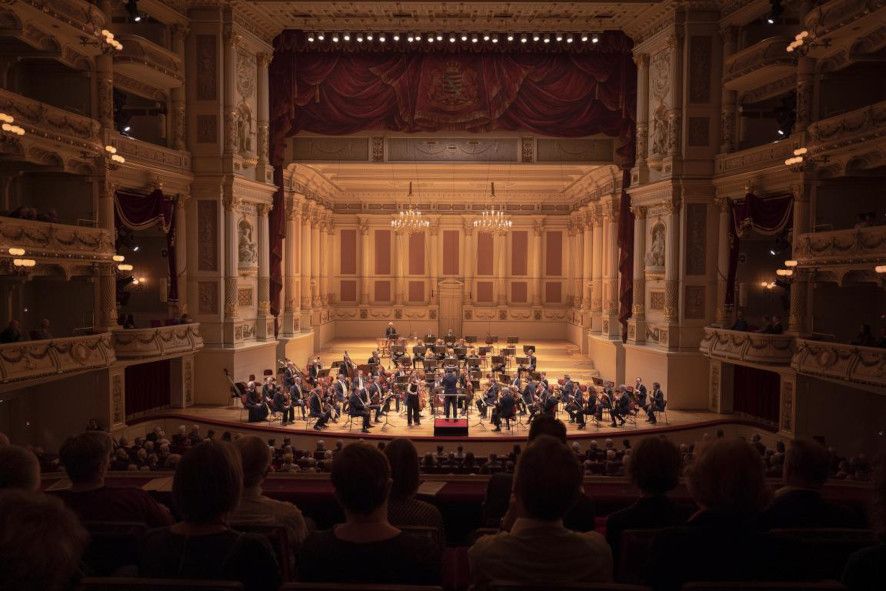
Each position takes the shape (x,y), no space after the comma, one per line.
(42,332)
(722,540)
(799,502)
(403,508)
(538,548)
(19,469)
(206,488)
(866,569)
(366,548)
(4,440)
(655,470)
(86,458)
(12,333)
(41,543)
(864,338)
(740,322)
(255,506)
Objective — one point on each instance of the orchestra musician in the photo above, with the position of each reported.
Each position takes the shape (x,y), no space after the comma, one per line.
(620,407)
(296,395)
(418,353)
(566,393)
(527,397)
(288,375)
(256,406)
(357,407)
(390,332)
(505,409)
(339,392)
(578,408)
(656,404)
(319,409)
(450,393)
(592,404)
(490,396)
(314,368)
(640,392)
(412,402)
(450,337)
(283,404)
(531,360)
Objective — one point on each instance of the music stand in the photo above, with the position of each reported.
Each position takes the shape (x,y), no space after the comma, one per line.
(513,340)
(430,339)
(479,422)
(528,348)
(497,360)
(439,349)
(324,372)
(471,339)
(429,365)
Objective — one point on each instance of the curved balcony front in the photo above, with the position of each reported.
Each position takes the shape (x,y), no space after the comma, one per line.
(161,341)
(751,347)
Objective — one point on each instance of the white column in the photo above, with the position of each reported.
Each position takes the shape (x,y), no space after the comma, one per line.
(468,262)
(612,270)
(596,296)
(291,252)
(672,263)
(261,134)
(588,249)
(364,261)
(315,257)
(537,252)
(434,235)
(638,311)
(722,260)
(181,252)
(306,266)
(264,276)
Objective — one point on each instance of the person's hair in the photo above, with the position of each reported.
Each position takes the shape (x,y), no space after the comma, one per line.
(728,476)
(84,455)
(41,542)
(547,425)
(19,468)
(806,464)
(878,513)
(547,479)
(208,482)
(655,465)
(361,476)
(403,459)
(255,456)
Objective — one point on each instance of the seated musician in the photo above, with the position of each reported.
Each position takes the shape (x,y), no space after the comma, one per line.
(283,404)
(506,410)
(577,409)
(472,359)
(531,360)
(317,410)
(357,407)
(314,368)
(499,365)
(288,375)
(375,359)
(297,395)
(390,331)
(256,406)
(620,407)
(450,337)
(640,392)
(592,406)
(464,383)
(418,353)
(527,396)
(548,403)
(429,354)
(656,404)
(490,396)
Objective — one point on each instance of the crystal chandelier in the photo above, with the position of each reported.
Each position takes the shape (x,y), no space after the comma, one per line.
(409,219)
(491,219)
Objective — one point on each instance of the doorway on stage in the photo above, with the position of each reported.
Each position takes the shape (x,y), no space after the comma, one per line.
(451,298)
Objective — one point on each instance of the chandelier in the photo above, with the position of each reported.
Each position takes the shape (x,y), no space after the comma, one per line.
(409,219)
(491,219)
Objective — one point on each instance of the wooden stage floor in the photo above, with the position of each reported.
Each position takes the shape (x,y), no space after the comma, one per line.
(554,357)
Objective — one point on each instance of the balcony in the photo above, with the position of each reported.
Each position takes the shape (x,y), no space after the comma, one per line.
(151,155)
(846,363)
(59,140)
(37,359)
(864,246)
(56,241)
(765,61)
(750,347)
(48,25)
(867,124)
(163,341)
(148,63)
(842,21)
(756,158)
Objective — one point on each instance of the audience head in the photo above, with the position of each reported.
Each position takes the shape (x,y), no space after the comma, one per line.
(879,509)
(655,465)
(208,482)
(547,425)
(361,476)
(806,464)
(728,477)
(256,459)
(41,542)
(86,457)
(547,479)
(4,440)
(403,459)
(19,469)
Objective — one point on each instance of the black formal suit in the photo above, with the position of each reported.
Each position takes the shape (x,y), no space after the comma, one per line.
(506,410)
(652,512)
(413,409)
(531,362)
(805,508)
(280,406)
(489,398)
(358,408)
(298,399)
(450,394)
(657,404)
(391,332)
(316,411)
(620,409)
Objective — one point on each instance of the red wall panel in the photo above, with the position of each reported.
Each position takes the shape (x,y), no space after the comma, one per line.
(382,291)
(554,254)
(348,290)
(484,291)
(519,252)
(451,258)
(417,254)
(416,291)
(519,292)
(383,252)
(553,292)
(349,252)
(485,251)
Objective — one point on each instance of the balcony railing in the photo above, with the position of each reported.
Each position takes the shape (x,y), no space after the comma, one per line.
(860,125)
(73,19)
(56,240)
(833,17)
(147,62)
(755,158)
(137,151)
(855,245)
(752,347)
(762,62)
(140,343)
(859,365)
(36,359)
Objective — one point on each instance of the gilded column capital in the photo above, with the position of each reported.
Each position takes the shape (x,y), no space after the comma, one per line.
(639,211)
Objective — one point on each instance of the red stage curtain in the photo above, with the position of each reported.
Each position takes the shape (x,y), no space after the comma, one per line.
(756,392)
(769,216)
(625,256)
(584,92)
(147,387)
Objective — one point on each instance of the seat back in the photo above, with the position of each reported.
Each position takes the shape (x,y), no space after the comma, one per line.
(633,554)
(279,541)
(548,586)
(826,550)
(112,546)
(432,534)
(355,587)
(765,586)
(140,584)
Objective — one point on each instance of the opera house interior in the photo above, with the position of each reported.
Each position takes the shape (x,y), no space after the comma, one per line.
(442,295)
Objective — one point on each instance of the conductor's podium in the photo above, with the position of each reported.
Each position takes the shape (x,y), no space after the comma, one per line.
(450,428)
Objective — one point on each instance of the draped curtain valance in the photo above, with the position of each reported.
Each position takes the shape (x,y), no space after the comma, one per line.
(767,216)
(138,211)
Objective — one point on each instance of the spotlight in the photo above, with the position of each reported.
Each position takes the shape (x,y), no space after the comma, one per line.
(584,37)
(772,251)
(464,36)
(559,37)
(474,39)
(382,38)
(359,37)
(321,36)
(775,11)
(485,36)
(310,37)
(495,38)
(132,10)
(396,36)
(595,39)
(410,38)
(335,37)
(430,38)
(536,37)
(127,128)
(790,263)
(346,36)
(135,248)
(510,37)
(780,132)
(547,39)
(569,39)
(770,20)
(452,37)
(523,39)
(439,36)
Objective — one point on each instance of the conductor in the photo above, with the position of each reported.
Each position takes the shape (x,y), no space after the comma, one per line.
(390,331)
(450,394)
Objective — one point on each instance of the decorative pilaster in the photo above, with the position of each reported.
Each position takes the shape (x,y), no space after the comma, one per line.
(178,135)
(805,90)
(596,288)
(675,117)
(672,261)
(261,137)
(181,252)
(291,298)
(306,267)
(400,251)
(729,98)
(536,282)
(637,325)
(264,275)
(316,220)
(611,326)
(434,235)
(230,114)
(722,259)
(328,239)
(587,259)
(642,61)
(231,261)
(468,262)
(364,261)
(104,78)
(799,281)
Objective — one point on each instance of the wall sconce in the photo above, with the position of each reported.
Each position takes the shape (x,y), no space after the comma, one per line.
(784,272)
(798,42)
(7,125)
(26,263)
(16,251)
(797,158)
(767,284)
(114,156)
(790,263)
(880,269)
(118,258)
(125,268)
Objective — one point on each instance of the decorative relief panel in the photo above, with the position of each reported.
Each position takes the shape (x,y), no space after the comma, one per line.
(207,297)
(787,406)
(731,345)
(695,302)
(850,363)
(453,149)
(244,297)
(696,235)
(656,300)
(207,67)
(207,129)
(157,342)
(699,69)
(574,150)
(246,71)
(207,235)
(355,149)
(33,359)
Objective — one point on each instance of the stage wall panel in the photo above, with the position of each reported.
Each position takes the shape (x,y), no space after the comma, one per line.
(554,254)
(416,291)
(527,330)
(383,252)
(451,254)
(484,291)
(519,253)
(518,292)
(553,292)
(382,291)
(349,252)
(485,250)
(416,254)
(348,290)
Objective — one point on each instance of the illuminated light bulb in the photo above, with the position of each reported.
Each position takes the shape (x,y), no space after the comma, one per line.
(30,263)
(118,258)
(880,269)
(559,37)
(510,36)
(764,284)
(6,118)
(495,39)
(396,36)
(584,37)
(125,267)
(790,263)
(321,36)
(569,39)
(439,36)
(800,151)
(110,149)
(335,37)
(452,38)
(16,251)
(346,37)
(524,39)
(595,39)
(369,36)
(547,39)
(382,38)
(485,36)
(536,37)
(464,36)
(310,37)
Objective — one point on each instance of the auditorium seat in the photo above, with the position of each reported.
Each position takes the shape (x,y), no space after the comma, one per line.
(112,546)
(765,586)
(633,554)
(432,534)
(826,550)
(355,587)
(136,584)
(517,586)
(276,536)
